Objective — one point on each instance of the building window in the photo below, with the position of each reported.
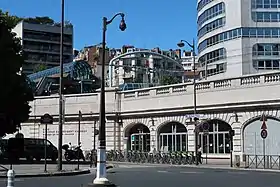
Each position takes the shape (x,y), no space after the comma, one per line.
(220,68)
(266,16)
(211,26)
(212,56)
(218,140)
(211,13)
(266,64)
(202,4)
(266,50)
(251,32)
(265,4)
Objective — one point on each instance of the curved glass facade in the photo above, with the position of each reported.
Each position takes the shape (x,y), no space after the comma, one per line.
(213,56)
(211,13)
(211,26)
(78,78)
(251,32)
(203,3)
(79,70)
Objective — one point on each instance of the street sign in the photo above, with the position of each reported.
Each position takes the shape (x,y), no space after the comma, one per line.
(205,126)
(264,134)
(46,119)
(263,127)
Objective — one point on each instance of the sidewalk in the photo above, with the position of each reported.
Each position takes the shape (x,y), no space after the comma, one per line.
(38,170)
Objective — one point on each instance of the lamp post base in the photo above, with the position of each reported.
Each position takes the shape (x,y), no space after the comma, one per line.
(101,182)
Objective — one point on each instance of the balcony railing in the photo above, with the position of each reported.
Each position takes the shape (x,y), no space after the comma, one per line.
(241,82)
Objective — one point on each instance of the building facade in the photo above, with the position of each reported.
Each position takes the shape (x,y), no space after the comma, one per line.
(41,45)
(93,55)
(233,41)
(188,59)
(145,66)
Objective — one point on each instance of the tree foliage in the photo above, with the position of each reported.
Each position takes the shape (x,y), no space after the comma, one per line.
(167,80)
(15,93)
(13,20)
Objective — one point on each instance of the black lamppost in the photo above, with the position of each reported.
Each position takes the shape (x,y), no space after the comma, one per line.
(101,179)
(182,44)
(60,127)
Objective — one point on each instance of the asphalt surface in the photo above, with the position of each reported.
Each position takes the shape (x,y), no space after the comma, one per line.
(164,176)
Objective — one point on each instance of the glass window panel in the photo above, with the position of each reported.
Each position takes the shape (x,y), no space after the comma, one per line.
(221,143)
(211,143)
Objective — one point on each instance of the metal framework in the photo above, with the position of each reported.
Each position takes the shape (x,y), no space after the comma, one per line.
(79,70)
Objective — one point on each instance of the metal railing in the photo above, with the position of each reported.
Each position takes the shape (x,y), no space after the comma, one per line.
(262,161)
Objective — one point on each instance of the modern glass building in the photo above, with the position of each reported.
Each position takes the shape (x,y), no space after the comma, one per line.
(78,78)
(233,41)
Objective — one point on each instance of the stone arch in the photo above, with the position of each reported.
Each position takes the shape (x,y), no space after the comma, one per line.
(256,118)
(217,140)
(138,137)
(253,144)
(172,136)
(168,122)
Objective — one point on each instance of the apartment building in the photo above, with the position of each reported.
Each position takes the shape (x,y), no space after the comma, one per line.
(41,45)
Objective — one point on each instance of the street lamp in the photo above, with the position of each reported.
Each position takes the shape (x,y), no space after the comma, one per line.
(101,179)
(182,44)
(60,127)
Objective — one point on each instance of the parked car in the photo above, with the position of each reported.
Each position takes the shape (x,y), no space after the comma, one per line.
(31,148)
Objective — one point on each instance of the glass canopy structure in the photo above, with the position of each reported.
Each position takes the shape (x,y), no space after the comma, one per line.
(77,78)
(79,70)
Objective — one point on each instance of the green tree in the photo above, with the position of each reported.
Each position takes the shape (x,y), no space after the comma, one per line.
(15,93)
(40,20)
(11,20)
(167,80)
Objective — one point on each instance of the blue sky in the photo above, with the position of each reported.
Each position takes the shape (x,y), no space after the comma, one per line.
(150,23)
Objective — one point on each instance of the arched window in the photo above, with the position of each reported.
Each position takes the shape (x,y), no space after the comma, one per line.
(217,141)
(173,137)
(138,138)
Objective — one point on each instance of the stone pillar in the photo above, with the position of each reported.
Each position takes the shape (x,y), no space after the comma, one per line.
(120,76)
(153,144)
(191,137)
(151,66)
(133,72)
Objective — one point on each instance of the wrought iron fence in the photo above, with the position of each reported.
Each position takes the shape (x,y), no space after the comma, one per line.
(262,161)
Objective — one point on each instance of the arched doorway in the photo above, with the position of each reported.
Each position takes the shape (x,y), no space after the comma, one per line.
(173,136)
(253,144)
(138,138)
(217,141)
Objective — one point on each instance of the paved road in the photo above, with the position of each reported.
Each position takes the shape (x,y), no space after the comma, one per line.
(137,176)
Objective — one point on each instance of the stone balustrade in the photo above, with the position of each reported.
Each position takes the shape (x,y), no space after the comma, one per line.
(238,89)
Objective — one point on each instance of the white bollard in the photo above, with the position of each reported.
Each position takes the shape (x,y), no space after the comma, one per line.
(11,178)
